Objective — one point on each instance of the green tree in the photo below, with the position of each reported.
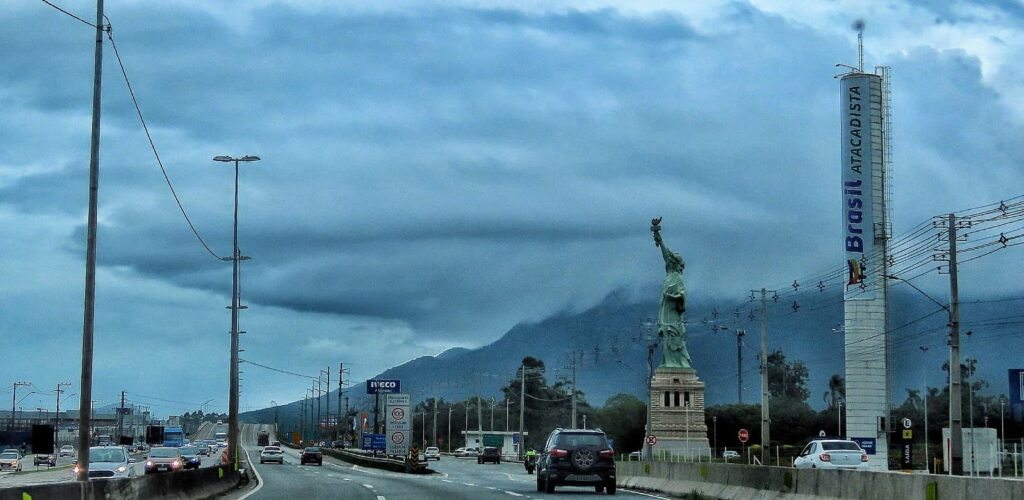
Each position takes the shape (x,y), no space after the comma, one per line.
(787,380)
(623,418)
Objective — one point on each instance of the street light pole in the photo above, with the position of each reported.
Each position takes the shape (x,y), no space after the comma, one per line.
(236,256)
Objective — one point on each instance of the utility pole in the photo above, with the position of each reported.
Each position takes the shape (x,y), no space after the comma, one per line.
(341,379)
(956,443)
(480,421)
(328,419)
(492,413)
(120,419)
(449,428)
(433,431)
(765,415)
(739,363)
(522,408)
(56,416)
(14,400)
(573,389)
(85,407)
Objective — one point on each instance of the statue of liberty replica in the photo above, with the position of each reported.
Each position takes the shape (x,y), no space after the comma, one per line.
(677,395)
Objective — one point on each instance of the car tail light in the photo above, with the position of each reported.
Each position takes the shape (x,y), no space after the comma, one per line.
(557,453)
(863,457)
(825,457)
(607,453)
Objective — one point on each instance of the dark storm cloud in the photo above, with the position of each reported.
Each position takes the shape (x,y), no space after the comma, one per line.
(462,170)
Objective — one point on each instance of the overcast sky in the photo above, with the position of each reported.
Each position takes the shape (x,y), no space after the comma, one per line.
(435,172)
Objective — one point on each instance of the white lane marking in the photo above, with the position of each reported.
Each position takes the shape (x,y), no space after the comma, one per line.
(259,480)
(491,488)
(447,481)
(519,480)
(469,484)
(513,493)
(644,494)
(380,498)
(368,486)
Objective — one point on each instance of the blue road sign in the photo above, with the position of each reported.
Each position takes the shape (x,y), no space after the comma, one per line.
(374,442)
(866,444)
(380,386)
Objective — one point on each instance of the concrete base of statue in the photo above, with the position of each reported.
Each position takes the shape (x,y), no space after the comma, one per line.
(677,413)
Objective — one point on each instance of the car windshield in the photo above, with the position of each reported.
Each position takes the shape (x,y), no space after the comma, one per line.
(8,456)
(188,451)
(432,449)
(840,445)
(271,448)
(106,455)
(67,447)
(312,450)
(570,440)
(164,453)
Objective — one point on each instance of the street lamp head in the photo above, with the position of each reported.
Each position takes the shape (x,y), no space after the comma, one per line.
(223,158)
(249,158)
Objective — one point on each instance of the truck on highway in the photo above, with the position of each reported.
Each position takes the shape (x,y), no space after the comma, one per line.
(174,437)
(263,438)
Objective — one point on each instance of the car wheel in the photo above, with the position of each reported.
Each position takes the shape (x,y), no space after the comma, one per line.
(610,487)
(540,482)
(598,488)
(549,485)
(261,461)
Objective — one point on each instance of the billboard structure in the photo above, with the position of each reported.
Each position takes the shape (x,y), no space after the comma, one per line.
(865,135)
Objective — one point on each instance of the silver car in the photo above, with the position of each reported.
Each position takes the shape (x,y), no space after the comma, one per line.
(109,461)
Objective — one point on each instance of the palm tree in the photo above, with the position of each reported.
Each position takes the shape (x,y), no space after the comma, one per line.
(836,391)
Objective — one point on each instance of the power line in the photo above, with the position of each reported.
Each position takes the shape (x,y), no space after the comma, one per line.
(278,370)
(69,14)
(152,145)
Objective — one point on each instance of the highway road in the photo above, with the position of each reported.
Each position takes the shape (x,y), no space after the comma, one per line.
(456,479)
(63,472)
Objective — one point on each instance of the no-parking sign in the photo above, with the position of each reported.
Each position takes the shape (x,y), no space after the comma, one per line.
(397,425)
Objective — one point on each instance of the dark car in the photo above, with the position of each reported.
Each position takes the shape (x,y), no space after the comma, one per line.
(576,457)
(490,454)
(311,455)
(190,457)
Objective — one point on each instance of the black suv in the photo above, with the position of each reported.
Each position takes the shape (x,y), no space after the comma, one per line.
(490,454)
(576,457)
(312,455)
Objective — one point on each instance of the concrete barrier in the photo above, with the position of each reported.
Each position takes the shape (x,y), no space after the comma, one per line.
(735,481)
(201,483)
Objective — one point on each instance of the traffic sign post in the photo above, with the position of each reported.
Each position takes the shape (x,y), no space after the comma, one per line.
(744,435)
(398,426)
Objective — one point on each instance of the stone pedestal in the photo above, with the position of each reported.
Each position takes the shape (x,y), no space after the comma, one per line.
(677,413)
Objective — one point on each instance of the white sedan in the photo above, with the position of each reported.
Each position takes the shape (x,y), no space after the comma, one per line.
(433,453)
(271,454)
(832,454)
(10,461)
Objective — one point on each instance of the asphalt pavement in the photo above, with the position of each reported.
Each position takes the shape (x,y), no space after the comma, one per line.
(455,479)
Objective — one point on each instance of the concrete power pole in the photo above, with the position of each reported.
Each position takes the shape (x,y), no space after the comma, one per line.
(765,415)
(328,419)
(955,390)
(56,416)
(522,408)
(85,407)
(574,389)
(120,419)
(739,363)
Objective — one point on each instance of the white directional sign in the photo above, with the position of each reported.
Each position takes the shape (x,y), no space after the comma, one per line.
(397,425)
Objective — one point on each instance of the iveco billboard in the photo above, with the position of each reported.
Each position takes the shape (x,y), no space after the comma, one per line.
(860,103)
(380,386)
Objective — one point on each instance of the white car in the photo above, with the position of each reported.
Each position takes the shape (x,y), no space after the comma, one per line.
(832,454)
(730,454)
(432,453)
(109,461)
(271,454)
(67,451)
(10,461)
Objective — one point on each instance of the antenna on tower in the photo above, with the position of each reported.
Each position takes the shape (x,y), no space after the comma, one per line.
(859,26)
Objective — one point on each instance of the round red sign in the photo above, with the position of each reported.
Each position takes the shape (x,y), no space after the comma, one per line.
(744,435)
(651,440)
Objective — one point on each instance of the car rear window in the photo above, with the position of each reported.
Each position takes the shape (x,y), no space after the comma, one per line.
(570,440)
(312,450)
(840,445)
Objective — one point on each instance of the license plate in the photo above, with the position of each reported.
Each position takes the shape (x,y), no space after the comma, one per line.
(162,467)
(581,477)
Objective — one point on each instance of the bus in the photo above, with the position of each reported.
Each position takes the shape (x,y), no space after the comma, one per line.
(221,437)
(174,437)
